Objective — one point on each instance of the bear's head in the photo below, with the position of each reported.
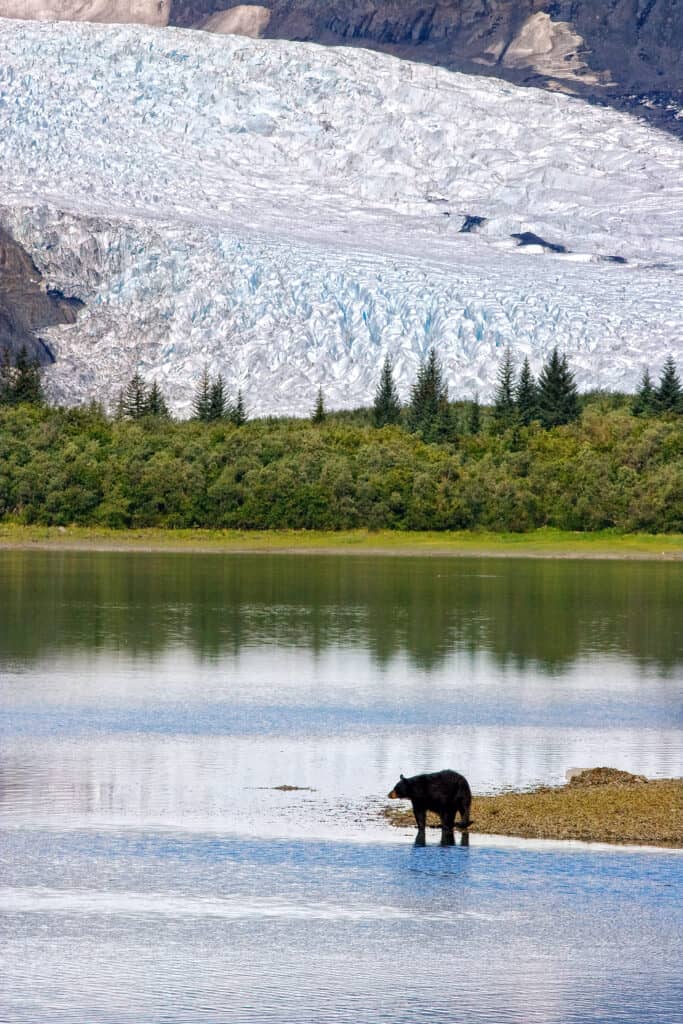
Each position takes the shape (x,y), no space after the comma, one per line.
(401,790)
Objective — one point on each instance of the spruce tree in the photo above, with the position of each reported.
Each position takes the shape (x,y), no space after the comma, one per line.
(218,403)
(428,412)
(669,394)
(386,408)
(26,385)
(201,403)
(526,397)
(645,400)
(504,400)
(156,403)
(135,398)
(6,378)
(318,414)
(120,409)
(474,419)
(558,400)
(238,413)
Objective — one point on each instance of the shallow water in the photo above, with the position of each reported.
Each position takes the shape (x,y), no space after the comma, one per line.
(150,872)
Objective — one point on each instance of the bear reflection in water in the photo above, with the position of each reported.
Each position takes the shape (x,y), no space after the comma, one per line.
(445,793)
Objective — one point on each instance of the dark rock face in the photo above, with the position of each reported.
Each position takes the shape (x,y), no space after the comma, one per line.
(625,53)
(26,306)
(529,238)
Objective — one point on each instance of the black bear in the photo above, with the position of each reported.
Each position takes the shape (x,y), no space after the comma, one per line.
(445,793)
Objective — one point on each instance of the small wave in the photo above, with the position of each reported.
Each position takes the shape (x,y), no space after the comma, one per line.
(156,904)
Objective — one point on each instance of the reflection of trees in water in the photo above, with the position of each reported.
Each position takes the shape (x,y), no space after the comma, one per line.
(519,611)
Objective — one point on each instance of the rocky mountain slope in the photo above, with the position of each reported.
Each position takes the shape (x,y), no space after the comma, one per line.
(27,306)
(624,53)
(291,213)
(140,12)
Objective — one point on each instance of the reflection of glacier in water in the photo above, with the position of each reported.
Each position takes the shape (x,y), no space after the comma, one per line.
(224,784)
(150,872)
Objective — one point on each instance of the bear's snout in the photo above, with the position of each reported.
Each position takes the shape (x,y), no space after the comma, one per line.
(393,795)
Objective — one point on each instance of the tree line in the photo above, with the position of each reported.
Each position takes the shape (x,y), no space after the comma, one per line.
(608,469)
(666,397)
(551,399)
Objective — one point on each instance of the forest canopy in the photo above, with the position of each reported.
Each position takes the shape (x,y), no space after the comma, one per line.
(606,469)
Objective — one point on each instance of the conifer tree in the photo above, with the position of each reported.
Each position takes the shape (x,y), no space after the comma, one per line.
(201,403)
(386,408)
(135,398)
(428,412)
(218,403)
(318,415)
(238,413)
(25,382)
(504,402)
(558,400)
(645,401)
(474,419)
(119,409)
(526,397)
(669,394)
(6,378)
(156,403)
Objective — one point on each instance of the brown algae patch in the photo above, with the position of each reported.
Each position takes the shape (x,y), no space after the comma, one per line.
(600,805)
(285,788)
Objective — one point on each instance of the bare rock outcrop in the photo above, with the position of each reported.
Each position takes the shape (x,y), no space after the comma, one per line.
(26,305)
(142,12)
(243,20)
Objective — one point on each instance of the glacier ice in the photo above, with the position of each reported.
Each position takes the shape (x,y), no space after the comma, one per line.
(289,213)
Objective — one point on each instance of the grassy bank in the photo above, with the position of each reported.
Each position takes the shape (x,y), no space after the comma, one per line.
(545,543)
(600,805)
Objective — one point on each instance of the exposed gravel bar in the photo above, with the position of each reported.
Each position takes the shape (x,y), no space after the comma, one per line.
(597,805)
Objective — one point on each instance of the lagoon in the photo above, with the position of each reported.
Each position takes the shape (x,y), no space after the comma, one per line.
(150,703)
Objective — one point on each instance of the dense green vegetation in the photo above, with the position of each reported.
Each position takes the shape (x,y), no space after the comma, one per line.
(608,469)
(540,456)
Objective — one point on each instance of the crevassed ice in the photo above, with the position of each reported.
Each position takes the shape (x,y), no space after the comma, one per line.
(289,213)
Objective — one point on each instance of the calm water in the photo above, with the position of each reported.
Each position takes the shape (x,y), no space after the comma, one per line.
(149,871)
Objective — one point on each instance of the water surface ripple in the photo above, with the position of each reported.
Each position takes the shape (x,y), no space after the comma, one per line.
(150,872)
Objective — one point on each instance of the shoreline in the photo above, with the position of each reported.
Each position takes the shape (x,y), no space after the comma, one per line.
(599,805)
(541,544)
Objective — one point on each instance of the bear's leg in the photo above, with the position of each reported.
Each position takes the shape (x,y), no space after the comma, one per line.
(420,816)
(447,826)
(464,808)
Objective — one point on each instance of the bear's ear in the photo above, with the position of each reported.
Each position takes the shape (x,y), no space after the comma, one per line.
(402,776)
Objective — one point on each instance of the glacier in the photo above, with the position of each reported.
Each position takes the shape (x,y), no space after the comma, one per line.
(287,214)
